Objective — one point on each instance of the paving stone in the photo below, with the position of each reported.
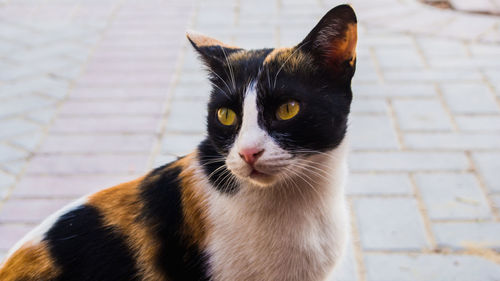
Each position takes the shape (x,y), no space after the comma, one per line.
(385,40)
(425,267)
(478,123)
(106,124)
(467,235)
(453,196)
(52,186)
(408,161)
(371,132)
(13,127)
(192,92)
(97,144)
(187,112)
(87,164)
(394,90)
(93,108)
(492,76)
(346,270)
(163,159)
(390,224)
(432,75)
(378,184)
(132,79)
(469,98)
(11,233)
(14,167)
(488,165)
(463,63)
(195,78)
(42,117)
(467,26)
(11,108)
(29,210)
(28,142)
(37,84)
(6,182)
(399,58)
(18,72)
(478,49)
(366,72)
(474,6)
(441,47)
(426,115)
(180,144)
(368,106)
(451,141)
(9,153)
(118,93)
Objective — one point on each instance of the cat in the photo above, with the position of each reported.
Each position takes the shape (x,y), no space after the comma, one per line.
(260,199)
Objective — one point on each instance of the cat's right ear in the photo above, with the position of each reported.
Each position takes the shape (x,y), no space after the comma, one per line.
(333,41)
(213,52)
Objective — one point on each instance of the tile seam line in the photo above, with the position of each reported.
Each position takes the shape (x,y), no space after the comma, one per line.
(422,209)
(482,185)
(165,115)
(359,255)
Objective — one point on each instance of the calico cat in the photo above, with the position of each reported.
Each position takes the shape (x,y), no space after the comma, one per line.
(260,199)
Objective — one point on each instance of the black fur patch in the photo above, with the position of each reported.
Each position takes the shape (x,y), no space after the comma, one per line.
(212,162)
(324,102)
(85,250)
(179,259)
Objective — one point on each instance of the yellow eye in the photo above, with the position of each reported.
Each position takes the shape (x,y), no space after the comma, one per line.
(226,116)
(288,110)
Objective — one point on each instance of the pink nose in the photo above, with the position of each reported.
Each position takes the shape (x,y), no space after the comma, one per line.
(250,155)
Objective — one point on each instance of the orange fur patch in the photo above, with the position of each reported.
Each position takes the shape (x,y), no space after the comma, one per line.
(120,207)
(344,49)
(193,202)
(30,263)
(272,55)
(291,59)
(201,40)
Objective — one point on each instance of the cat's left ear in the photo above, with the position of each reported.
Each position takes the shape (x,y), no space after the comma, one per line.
(213,52)
(332,41)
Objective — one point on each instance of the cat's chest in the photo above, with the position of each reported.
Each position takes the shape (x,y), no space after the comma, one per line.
(258,241)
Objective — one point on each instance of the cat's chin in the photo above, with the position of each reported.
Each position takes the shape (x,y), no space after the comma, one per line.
(260,179)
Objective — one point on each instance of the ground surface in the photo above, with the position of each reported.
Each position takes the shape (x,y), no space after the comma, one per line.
(93,93)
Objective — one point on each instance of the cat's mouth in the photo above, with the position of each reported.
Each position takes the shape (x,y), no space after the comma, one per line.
(260,178)
(256,173)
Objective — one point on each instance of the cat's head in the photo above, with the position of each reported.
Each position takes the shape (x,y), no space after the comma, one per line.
(271,109)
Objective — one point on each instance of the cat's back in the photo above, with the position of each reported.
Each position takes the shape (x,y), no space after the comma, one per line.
(137,230)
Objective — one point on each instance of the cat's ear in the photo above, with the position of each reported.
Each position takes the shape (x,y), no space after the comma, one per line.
(212,51)
(332,42)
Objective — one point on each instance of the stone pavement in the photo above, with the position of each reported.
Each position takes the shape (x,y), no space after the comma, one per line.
(93,93)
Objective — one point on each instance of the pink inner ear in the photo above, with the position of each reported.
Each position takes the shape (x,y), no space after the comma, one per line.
(201,40)
(344,48)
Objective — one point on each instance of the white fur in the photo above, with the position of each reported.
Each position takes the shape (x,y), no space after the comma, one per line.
(250,135)
(36,235)
(292,228)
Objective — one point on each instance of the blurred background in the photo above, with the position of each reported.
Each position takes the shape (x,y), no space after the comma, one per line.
(97,92)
